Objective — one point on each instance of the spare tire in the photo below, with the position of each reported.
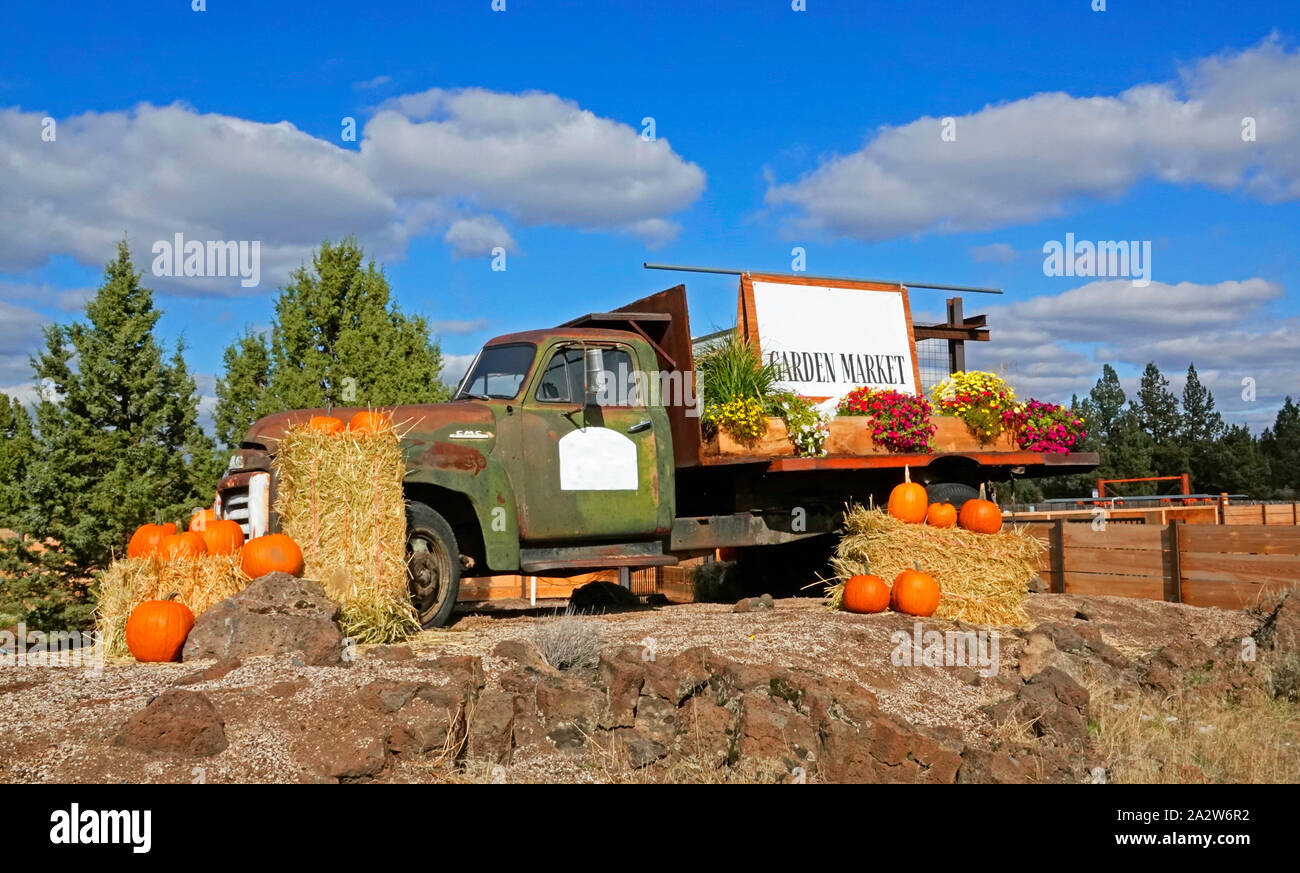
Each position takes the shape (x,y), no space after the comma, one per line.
(955,493)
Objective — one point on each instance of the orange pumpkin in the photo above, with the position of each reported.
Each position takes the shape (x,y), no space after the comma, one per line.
(144,542)
(908,501)
(980,515)
(201,519)
(915,593)
(326,424)
(156,629)
(866,593)
(222,537)
(941,515)
(368,422)
(273,553)
(182,546)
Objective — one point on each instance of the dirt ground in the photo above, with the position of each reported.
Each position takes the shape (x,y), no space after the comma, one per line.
(57,724)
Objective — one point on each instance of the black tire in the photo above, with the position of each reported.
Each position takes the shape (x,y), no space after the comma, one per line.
(432,565)
(955,493)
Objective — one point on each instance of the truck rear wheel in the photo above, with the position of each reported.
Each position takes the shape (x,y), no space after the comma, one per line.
(955,493)
(432,563)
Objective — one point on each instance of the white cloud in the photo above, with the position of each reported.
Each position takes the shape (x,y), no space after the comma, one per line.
(151,172)
(370,84)
(20,337)
(1031,158)
(454,367)
(457,327)
(478,235)
(993,253)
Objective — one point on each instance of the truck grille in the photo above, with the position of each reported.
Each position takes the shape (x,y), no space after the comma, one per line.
(234,506)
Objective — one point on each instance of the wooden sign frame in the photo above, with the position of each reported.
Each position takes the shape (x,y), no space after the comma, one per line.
(747,310)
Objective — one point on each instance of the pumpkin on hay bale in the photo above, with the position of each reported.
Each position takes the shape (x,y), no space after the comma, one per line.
(983,577)
(339,496)
(197,582)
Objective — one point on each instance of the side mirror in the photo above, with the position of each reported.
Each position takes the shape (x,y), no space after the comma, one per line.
(593,376)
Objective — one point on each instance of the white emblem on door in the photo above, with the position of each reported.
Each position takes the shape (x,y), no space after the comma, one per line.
(597,459)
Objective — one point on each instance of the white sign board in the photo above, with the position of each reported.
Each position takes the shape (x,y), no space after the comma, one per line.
(826,341)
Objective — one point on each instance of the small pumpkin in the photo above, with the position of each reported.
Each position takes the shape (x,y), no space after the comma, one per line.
(915,593)
(272,553)
(368,422)
(156,629)
(980,515)
(908,501)
(327,424)
(182,546)
(866,593)
(201,519)
(144,542)
(941,515)
(222,537)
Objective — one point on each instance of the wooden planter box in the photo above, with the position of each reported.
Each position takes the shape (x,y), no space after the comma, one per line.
(851,435)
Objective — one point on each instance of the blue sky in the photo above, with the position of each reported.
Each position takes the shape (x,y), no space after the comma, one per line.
(773,129)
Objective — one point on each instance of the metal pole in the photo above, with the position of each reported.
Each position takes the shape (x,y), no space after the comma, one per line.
(728,272)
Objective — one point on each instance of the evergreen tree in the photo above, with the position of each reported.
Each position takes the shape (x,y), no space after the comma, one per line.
(337,340)
(1280,445)
(1202,432)
(17,445)
(118,441)
(1157,411)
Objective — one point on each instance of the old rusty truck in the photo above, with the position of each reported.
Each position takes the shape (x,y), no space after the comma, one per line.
(553,458)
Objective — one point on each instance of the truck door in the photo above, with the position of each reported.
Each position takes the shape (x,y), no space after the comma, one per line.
(589,471)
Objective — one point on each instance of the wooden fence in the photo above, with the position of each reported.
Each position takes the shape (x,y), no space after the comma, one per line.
(1203,565)
(1260,513)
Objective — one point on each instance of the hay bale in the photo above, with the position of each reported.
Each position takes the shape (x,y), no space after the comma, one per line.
(340,497)
(984,577)
(198,583)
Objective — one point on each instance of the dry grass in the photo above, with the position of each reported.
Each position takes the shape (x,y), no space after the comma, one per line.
(984,577)
(567,641)
(198,582)
(1145,738)
(340,498)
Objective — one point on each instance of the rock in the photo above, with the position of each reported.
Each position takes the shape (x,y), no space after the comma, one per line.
(423,726)
(602,596)
(463,673)
(771,730)
(276,613)
(1054,703)
(738,678)
(209,674)
(569,708)
(1040,652)
(282,689)
(1281,630)
(1038,586)
(391,653)
(981,766)
(621,673)
(705,731)
(524,654)
(490,727)
(656,718)
(386,695)
(754,604)
(686,674)
(640,750)
(175,722)
(347,755)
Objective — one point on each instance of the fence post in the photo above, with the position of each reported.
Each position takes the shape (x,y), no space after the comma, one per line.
(1174,582)
(1058,556)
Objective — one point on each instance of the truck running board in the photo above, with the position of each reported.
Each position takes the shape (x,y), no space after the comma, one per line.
(599,557)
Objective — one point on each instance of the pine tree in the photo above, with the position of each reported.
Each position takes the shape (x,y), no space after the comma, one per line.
(1201,436)
(337,340)
(1105,402)
(1158,414)
(17,445)
(1280,445)
(118,440)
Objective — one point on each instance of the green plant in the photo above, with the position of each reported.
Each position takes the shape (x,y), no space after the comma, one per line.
(745,418)
(731,368)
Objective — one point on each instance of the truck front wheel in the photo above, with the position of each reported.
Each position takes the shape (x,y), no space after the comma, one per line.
(433,565)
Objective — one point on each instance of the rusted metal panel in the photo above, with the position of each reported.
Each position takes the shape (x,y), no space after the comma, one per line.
(744,529)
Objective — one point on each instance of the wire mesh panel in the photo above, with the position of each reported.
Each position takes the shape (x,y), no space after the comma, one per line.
(932,356)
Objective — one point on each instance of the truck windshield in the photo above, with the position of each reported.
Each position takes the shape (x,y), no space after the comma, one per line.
(498,372)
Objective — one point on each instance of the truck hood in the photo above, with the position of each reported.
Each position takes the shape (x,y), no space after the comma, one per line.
(267,432)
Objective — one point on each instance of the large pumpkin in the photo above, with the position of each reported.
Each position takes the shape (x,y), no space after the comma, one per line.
(182,545)
(327,424)
(368,422)
(866,593)
(156,629)
(201,519)
(980,515)
(941,515)
(908,501)
(273,553)
(915,593)
(146,539)
(222,537)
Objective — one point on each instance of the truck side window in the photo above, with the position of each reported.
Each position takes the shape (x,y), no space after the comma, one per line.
(620,379)
(563,379)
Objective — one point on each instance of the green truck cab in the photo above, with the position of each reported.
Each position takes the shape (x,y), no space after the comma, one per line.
(579,448)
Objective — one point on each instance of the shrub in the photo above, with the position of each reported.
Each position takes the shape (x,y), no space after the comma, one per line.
(717,582)
(807,426)
(732,368)
(567,641)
